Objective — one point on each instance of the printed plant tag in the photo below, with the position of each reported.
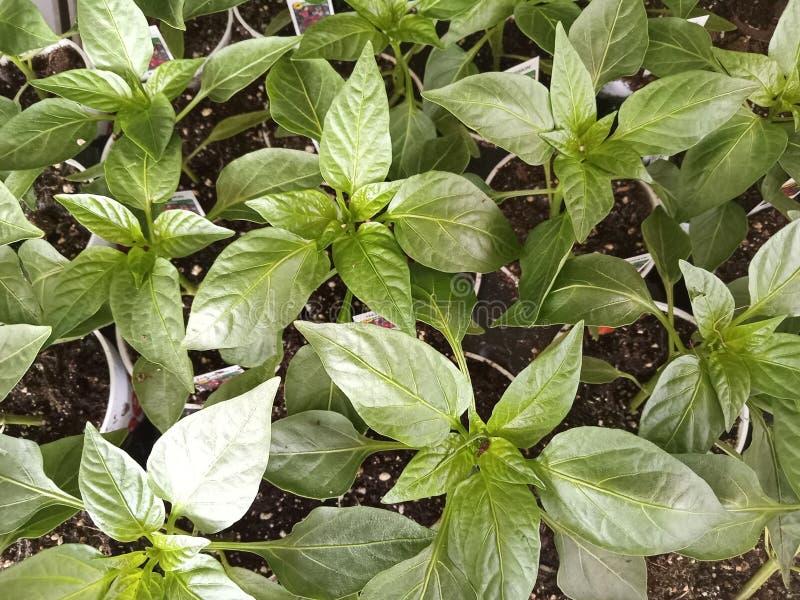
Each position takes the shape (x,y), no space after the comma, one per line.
(208,382)
(374,319)
(529,68)
(181,200)
(307,12)
(161,53)
(791,189)
(642,262)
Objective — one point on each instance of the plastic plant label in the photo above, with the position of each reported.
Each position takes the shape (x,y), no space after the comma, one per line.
(307,12)
(701,20)
(161,53)
(180,200)
(208,382)
(791,189)
(374,319)
(529,68)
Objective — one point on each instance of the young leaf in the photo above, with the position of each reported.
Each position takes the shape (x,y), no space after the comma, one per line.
(179,233)
(262,279)
(23,28)
(203,577)
(172,77)
(676,112)
(716,234)
(417,29)
(712,301)
(503,462)
(683,413)
(340,37)
(587,193)
(19,345)
(115,491)
(136,584)
(104,217)
(317,454)
(209,464)
(507,109)
(444,302)
(335,551)
(13,224)
(494,536)
(369,200)
(642,499)
(677,46)
(308,387)
(116,36)
(306,213)
(541,395)
(103,90)
(374,268)
(264,172)
(611,38)
(356,147)
(588,572)
(151,127)
(433,471)
(175,552)
(667,242)
(236,124)
(17,299)
(445,222)
(236,66)
(784,45)
(572,91)
(731,381)
(774,282)
(48,132)
(538,21)
(371,365)
(161,392)
(597,371)
(598,289)
(300,94)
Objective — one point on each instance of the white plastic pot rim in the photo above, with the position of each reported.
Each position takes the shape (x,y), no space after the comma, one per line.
(120,413)
(488,361)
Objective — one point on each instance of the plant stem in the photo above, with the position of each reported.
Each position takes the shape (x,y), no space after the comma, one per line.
(499,197)
(28,420)
(173,517)
(29,73)
(195,101)
(189,173)
(674,338)
(401,62)
(345,313)
(189,288)
(478,45)
(767,570)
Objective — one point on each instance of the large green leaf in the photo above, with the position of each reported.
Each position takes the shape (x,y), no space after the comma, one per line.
(150,127)
(598,289)
(179,233)
(356,148)
(611,38)
(203,577)
(317,454)
(17,298)
(676,45)
(774,281)
(19,345)
(683,413)
(539,20)
(507,109)
(161,392)
(102,90)
(784,46)
(716,234)
(571,86)
(262,279)
(374,367)
(676,112)
(541,395)
(236,66)
(587,193)
(444,302)
(340,37)
(335,551)
(445,222)
(775,365)
(48,132)
(667,242)
(300,94)
(374,268)
(209,465)
(115,491)
(13,224)
(116,36)
(104,217)
(712,301)
(624,494)
(23,28)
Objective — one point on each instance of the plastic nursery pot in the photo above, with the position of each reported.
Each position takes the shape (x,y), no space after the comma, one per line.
(123,411)
(226,35)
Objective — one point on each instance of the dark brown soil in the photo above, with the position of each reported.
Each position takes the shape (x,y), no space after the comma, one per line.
(203,34)
(63,58)
(755,21)
(67,385)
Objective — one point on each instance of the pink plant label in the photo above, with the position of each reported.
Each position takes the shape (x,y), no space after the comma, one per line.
(307,12)
(374,318)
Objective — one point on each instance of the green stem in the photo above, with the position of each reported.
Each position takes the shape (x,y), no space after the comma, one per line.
(173,517)
(767,570)
(499,197)
(30,74)
(478,45)
(189,288)
(189,173)
(195,101)
(28,420)
(345,313)
(674,338)
(401,62)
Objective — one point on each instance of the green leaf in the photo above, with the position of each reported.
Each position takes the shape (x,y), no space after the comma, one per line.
(503,462)
(507,109)
(447,153)
(442,68)
(236,124)
(161,393)
(136,585)
(622,493)
(204,577)
(264,172)
(209,464)
(730,379)
(716,234)
(598,289)
(588,572)
(244,382)
(539,20)
(483,14)
(335,551)
(667,243)
(198,8)
(443,9)
(784,45)
(23,28)
(410,128)
(115,491)
(175,552)
(417,29)
(59,573)
(445,302)
(712,301)
(676,112)
(374,367)
(572,96)
(179,233)
(172,77)
(677,46)
(258,586)
(300,94)
(374,268)
(262,279)
(116,36)
(775,365)
(151,128)
(17,298)
(775,274)
(308,387)
(369,200)
(587,193)
(683,413)
(48,132)
(236,66)
(541,395)
(103,90)
(306,213)
(611,38)
(681,8)
(494,536)
(340,37)
(136,179)
(598,372)
(13,224)
(104,217)
(356,148)
(787,438)
(19,345)
(445,222)
(170,12)
(757,68)
(317,454)
(433,471)
(24,487)
(727,162)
